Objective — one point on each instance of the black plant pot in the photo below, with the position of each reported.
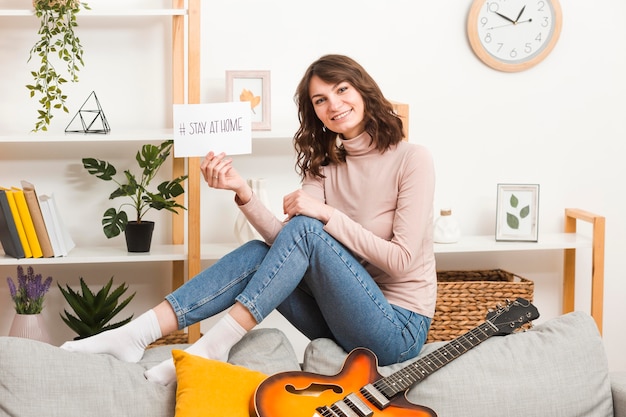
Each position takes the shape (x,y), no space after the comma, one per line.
(139,236)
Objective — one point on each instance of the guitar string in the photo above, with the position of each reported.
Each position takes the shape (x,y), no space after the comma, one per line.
(401,380)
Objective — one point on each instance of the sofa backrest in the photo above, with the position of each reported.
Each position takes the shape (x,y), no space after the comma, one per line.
(558,368)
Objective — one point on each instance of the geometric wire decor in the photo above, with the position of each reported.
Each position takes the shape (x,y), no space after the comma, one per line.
(91,118)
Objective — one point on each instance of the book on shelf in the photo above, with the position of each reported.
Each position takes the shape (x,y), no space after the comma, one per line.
(27,222)
(18,222)
(9,238)
(35,213)
(60,238)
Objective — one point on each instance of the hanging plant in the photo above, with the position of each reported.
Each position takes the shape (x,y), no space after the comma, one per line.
(58,43)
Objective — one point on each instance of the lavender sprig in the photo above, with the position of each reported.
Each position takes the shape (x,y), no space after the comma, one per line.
(29,293)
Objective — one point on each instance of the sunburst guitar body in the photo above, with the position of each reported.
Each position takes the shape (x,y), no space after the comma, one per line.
(359,390)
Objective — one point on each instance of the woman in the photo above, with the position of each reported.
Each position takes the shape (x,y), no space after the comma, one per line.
(353,259)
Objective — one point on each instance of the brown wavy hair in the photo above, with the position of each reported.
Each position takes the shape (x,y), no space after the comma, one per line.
(317,146)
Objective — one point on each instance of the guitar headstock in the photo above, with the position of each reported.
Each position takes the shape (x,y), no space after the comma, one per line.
(512,316)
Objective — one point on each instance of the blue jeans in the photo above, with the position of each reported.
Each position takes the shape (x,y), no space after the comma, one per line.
(315,282)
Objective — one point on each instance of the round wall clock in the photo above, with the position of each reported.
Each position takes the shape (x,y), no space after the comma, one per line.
(513,35)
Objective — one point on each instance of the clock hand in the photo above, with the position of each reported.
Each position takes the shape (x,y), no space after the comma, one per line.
(504,17)
(520,14)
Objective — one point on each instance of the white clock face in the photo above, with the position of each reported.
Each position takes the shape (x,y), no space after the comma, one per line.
(515,31)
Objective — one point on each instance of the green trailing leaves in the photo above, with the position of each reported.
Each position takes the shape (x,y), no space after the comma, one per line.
(57,41)
(92,312)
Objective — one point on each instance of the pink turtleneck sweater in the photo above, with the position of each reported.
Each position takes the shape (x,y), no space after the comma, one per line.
(383,213)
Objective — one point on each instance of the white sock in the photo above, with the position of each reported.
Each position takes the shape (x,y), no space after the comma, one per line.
(215,344)
(126,343)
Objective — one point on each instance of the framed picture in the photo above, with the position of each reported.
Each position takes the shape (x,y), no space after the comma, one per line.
(252,86)
(517,212)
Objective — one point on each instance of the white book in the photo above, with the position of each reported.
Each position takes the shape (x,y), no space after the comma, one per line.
(66,243)
(44,204)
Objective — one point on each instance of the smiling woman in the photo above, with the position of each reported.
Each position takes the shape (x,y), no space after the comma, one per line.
(344,263)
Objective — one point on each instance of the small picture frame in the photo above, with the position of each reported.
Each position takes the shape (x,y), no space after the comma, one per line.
(517,212)
(252,86)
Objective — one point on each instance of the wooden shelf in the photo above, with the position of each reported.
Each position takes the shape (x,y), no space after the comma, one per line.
(215,251)
(487,243)
(105,254)
(61,137)
(105,12)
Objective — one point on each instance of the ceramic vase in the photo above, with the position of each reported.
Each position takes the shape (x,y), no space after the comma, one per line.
(244,231)
(29,326)
(446,228)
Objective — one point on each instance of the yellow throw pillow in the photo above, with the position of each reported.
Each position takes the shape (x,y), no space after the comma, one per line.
(212,388)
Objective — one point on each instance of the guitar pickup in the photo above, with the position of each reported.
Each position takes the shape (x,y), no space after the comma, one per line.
(358,405)
(378,398)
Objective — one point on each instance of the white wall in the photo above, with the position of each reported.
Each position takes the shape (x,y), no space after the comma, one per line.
(559,124)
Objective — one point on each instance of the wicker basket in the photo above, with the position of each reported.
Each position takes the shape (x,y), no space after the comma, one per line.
(175,338)
(464,298)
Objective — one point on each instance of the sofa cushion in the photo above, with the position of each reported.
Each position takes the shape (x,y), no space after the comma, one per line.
(558,368)
(38,379)
(210,388)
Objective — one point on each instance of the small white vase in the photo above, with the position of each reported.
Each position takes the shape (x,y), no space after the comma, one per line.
(244,231)
(29,326)
(446,228)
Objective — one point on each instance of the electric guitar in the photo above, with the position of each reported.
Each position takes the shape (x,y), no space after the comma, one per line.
(358,390)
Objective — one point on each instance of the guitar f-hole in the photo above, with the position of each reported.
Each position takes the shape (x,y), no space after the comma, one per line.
(313,390)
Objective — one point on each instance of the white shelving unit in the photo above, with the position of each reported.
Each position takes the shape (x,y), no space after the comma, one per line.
(185,36)
(105,12)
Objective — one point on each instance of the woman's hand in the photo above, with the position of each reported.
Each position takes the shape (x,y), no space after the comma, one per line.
(301,203)
(219,173)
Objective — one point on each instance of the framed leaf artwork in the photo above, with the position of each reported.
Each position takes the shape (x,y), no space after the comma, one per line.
(517,212)
(254,87)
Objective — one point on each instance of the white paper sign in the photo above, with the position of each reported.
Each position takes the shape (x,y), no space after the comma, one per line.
(217,127)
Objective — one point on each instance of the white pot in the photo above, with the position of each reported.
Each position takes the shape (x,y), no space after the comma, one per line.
(29,326)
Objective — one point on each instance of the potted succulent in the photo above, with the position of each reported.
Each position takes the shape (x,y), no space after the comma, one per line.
(58,44)
(150,159)
(94,311)
(28,295)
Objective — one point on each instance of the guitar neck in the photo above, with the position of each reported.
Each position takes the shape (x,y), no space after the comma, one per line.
(402,380)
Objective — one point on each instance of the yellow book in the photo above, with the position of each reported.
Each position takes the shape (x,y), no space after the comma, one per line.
(18,222)
(35,213)
(27,221)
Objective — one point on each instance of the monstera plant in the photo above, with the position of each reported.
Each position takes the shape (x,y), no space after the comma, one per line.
(149,159)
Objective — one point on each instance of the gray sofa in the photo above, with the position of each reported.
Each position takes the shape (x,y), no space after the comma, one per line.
(558,368)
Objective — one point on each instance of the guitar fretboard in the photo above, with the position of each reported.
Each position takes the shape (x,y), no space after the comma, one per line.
(401,380)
